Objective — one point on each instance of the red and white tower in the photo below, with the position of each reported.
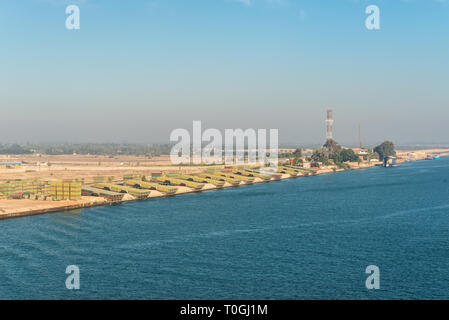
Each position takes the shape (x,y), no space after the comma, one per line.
(329,124)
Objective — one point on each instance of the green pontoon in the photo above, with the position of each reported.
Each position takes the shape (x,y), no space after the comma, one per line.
(180,182)
(217,177)
(138,193)
(150,186)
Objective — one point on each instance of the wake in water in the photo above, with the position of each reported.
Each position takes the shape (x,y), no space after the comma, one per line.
(227,233)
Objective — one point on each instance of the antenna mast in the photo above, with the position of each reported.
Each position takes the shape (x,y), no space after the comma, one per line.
(329,124)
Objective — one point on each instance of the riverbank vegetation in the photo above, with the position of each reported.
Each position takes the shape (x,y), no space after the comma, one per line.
(386,149)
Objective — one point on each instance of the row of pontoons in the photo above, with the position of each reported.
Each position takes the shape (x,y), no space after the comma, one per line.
(168,183)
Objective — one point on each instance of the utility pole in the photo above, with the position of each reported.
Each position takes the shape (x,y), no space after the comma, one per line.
(360,137)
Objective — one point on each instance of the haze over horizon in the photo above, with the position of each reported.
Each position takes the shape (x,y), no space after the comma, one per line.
(135,71)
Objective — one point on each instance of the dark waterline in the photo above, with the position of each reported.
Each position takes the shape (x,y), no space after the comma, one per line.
(307,238)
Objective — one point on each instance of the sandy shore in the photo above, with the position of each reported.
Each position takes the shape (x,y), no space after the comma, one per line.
(421,154)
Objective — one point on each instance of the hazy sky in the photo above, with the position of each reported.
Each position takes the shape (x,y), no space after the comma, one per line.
(138,69)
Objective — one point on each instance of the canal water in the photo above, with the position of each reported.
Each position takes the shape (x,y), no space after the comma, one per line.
(306,238)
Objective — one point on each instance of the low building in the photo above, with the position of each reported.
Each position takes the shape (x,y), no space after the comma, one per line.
(306,165)
(10,165)
(362,154)
(317,164)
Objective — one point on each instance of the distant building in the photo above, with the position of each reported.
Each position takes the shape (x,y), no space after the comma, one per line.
(286,150)
(361,153)
(10,165)
(318,165)
(156,174)
(306,165)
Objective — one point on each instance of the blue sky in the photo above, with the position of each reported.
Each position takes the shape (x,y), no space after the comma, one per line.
(138,69)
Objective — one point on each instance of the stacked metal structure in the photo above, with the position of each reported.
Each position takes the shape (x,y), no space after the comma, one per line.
(65,190)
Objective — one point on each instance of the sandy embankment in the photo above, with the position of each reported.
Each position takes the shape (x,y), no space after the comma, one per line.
(15,208)
(25,207)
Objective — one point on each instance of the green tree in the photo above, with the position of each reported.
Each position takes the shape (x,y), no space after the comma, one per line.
(320,155)
(386,149)
(332,148)
(297,153)
(373,155)
(14,149)
(348,155)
